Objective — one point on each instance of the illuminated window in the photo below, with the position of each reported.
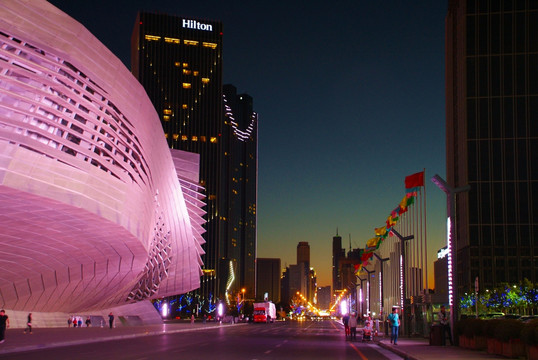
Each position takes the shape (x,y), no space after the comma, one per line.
(166,118)
(186,85)
(202,138)
(195,138)
(212,197)
(195,73)
(152,37)
(184,106)
(184,138)
(186,72)
(167,111)
(166,135)
(171,40)
(175,136)
(177,63)
(209,45)
(190,42)
(185,65)
(213,139)
(205,80)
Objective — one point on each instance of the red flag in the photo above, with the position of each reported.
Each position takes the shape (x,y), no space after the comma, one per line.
(414,180)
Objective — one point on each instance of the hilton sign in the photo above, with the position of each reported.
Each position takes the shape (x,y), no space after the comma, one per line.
(193,24)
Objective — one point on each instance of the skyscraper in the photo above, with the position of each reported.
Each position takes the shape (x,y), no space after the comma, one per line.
(303,253)
(492,138)
(179,62)
(338,254)
(239,179)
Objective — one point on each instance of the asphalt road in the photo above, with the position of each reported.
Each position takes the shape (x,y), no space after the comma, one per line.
(281,340)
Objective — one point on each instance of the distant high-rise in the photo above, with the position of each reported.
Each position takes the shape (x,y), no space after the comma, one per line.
(303,252)
(492,138)
(338,254)
(268,279)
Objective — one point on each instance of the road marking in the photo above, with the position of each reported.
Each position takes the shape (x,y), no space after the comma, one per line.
(358,352)
(268,351)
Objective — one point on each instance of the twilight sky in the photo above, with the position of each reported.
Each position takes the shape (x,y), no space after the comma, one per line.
(350,97)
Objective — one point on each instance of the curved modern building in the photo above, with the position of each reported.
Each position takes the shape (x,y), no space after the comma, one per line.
(92,212)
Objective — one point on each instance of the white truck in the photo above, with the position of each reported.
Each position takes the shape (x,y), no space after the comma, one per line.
(264,312)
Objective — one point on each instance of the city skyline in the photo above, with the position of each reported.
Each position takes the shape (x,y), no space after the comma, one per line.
(350,101)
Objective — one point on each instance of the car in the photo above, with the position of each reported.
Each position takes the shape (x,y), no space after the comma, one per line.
(527,318)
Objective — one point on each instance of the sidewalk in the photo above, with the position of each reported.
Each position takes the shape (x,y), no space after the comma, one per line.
(45,338)
(420,349)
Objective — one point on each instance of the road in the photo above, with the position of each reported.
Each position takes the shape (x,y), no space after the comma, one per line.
(281,340)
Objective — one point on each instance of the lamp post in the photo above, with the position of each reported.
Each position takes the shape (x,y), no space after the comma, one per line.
(361,297)
(368,287)
(381,279)
(452,245)
(403,284)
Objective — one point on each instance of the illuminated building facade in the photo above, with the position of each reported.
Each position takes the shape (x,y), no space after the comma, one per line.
(179,63)
(93,213)
(492,139)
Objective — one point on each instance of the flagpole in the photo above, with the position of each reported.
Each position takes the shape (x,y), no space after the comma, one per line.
(425,236)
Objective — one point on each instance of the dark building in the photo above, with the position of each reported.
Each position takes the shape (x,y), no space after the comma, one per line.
(440,275)
(268,279)
(338,255)
(324,297)
(492,138)
(237,204)
(179,62)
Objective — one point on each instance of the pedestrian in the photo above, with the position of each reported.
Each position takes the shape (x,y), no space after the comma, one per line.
(69,322)
(29,324)
(74,322)
(4,323)
(345,320)
(394,321)
(88,322)
(111,320)
(79,322)
(192,319)
(353,327)
(445,326)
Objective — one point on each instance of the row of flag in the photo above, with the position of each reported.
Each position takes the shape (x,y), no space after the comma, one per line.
(412,186)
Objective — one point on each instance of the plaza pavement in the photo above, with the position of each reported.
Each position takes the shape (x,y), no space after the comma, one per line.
(44,338)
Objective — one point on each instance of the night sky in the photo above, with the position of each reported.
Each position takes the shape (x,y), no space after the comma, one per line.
(350,97)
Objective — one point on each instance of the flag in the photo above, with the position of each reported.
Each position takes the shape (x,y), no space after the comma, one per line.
(414,180)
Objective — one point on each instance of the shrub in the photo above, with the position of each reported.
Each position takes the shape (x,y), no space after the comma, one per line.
(489,326)
(508,329)
(474,327)
(529,333)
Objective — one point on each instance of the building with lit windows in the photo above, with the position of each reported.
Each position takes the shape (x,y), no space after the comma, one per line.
(492,139)
(97,212)
(178,60)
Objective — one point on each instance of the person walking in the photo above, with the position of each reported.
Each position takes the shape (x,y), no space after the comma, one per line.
(445,326)
(353,327)
(29,324)
(111,320)
(394,321)
(345,320)
(4,323)
(88,322)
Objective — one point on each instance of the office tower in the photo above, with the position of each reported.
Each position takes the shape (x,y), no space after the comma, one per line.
(239,178)
(268,279)
(492,138)
(303,253)
(324,297)
(338,254)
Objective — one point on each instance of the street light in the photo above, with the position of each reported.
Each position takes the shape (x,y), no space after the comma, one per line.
(381,279)
(452,244)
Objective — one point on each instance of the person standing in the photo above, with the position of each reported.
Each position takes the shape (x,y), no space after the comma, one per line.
(88,322)
(4,323)
(394,321)
(445,326)
(353,327)
(111,320)
(29,324)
